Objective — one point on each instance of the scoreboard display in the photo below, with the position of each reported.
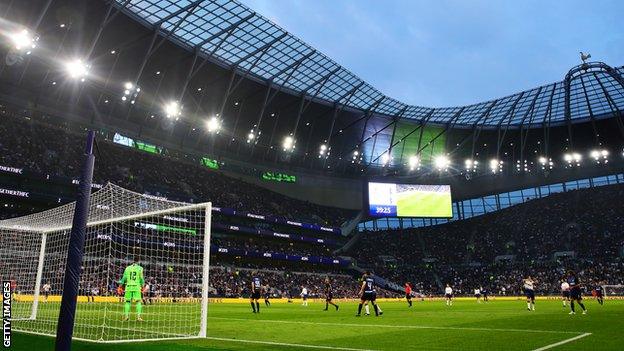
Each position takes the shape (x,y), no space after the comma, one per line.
(409,200)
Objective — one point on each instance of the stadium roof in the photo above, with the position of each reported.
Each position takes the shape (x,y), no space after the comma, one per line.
(235,36)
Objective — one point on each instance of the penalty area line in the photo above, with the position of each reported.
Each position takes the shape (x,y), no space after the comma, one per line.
(550,346)
(287,344)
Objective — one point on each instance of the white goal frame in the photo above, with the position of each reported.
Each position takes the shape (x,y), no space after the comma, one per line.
(206,207)
(607,288)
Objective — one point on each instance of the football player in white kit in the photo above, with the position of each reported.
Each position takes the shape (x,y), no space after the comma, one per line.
(565,292)
(529,292)
(448,295)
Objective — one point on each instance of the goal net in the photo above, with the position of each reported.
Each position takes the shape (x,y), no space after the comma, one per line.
(613,291)
(169,240)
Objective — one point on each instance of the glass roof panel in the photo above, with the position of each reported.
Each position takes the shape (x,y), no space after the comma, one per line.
(236,35)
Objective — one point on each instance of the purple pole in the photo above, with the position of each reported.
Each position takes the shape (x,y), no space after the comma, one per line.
(65,326)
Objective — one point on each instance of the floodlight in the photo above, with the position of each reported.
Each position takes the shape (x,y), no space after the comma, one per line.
(522,166)
(414,162)
(471,165)
(213,125)
(323,149)
(496,165)
(289,143)
(173,109)
(600,155)
(385,158)
(23,40)
(77,69)
(251,136)
(441,162)
(546,162)
(131,92)
(573,158)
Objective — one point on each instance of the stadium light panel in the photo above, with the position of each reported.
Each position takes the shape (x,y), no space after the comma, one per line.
(577,156)
(573,159)
(173,109)
(24,41)
(545,162)
(323,149)
(496,165)
(130,91)
(600,156)
(441,162)
(213,125)
(253,136)
(357,157)
(471,165)
(385,158)
(77,69)
(414,163)
(289,143)
(522,166)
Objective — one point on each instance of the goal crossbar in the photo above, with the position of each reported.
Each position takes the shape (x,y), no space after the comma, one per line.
(135,216)
(171,239)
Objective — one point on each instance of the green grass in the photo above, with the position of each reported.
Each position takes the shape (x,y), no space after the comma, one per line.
(424,204)
(429,325)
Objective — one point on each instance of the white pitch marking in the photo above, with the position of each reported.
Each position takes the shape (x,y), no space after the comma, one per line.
(547,347)
(287,344)
(400,326)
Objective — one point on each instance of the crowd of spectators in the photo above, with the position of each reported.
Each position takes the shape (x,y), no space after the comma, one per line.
(261,244)
(579,229)
(52,150)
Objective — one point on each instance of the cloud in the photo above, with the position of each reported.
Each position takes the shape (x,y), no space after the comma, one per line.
(453,52)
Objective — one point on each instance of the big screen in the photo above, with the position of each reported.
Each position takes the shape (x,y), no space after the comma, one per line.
(409,200)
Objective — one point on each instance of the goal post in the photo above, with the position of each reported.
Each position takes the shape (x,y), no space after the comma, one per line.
(613,291)
(20,258)
(36,293)
(169,240)
(203,328)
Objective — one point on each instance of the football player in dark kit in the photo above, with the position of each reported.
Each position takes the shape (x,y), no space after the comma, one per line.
(256,290)
(575,292)
(485,293)
(599,294)
(267,296)
(367,293)
(329,295)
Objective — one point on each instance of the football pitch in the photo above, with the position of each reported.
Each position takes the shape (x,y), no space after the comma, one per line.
(424,204)
(428,325)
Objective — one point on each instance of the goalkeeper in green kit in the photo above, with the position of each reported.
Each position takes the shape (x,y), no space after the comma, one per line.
(133,281)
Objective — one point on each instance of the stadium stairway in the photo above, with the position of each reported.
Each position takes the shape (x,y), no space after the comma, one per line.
(352,224)
(347,229)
